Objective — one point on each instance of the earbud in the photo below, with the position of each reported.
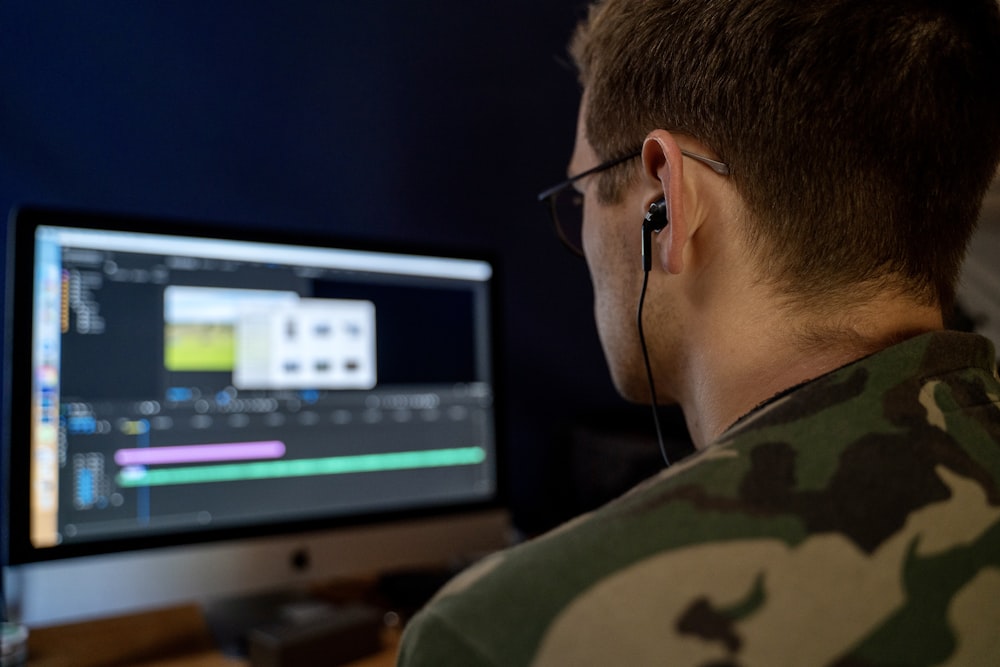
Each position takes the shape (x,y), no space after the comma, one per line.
(654,221)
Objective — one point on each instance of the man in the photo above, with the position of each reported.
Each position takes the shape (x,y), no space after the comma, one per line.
(815,169)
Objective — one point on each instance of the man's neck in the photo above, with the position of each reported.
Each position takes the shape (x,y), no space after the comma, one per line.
(743,364)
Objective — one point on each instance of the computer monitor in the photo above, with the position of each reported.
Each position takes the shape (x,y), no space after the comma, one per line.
(194,411)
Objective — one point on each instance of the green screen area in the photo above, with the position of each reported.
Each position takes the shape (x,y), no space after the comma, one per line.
(199,347)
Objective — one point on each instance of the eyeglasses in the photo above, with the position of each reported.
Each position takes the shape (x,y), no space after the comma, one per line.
(566,204)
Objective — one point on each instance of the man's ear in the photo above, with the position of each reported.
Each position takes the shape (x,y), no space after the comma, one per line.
(663,167)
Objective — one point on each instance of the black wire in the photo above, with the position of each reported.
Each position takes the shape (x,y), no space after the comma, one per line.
(649,370)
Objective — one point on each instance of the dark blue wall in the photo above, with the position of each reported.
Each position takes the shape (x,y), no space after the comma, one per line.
(431,122)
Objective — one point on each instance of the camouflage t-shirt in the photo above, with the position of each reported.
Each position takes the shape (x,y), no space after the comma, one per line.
(854,521)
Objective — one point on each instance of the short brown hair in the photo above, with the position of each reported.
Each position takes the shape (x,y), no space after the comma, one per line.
(861,135)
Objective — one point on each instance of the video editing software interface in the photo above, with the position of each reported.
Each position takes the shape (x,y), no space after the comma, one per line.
(184,383)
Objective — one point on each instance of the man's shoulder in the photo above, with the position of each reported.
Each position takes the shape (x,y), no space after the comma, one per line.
(702,565)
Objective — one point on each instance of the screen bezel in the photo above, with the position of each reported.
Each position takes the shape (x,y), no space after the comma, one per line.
(17,548)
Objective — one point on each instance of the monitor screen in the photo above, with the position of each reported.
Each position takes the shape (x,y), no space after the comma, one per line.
(174,384)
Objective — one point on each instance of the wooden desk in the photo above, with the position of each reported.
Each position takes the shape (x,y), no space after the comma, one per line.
(176,637)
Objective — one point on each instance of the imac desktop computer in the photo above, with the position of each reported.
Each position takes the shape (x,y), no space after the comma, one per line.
(194,412)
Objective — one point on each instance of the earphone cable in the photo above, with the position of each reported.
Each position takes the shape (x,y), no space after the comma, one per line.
(649,370)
